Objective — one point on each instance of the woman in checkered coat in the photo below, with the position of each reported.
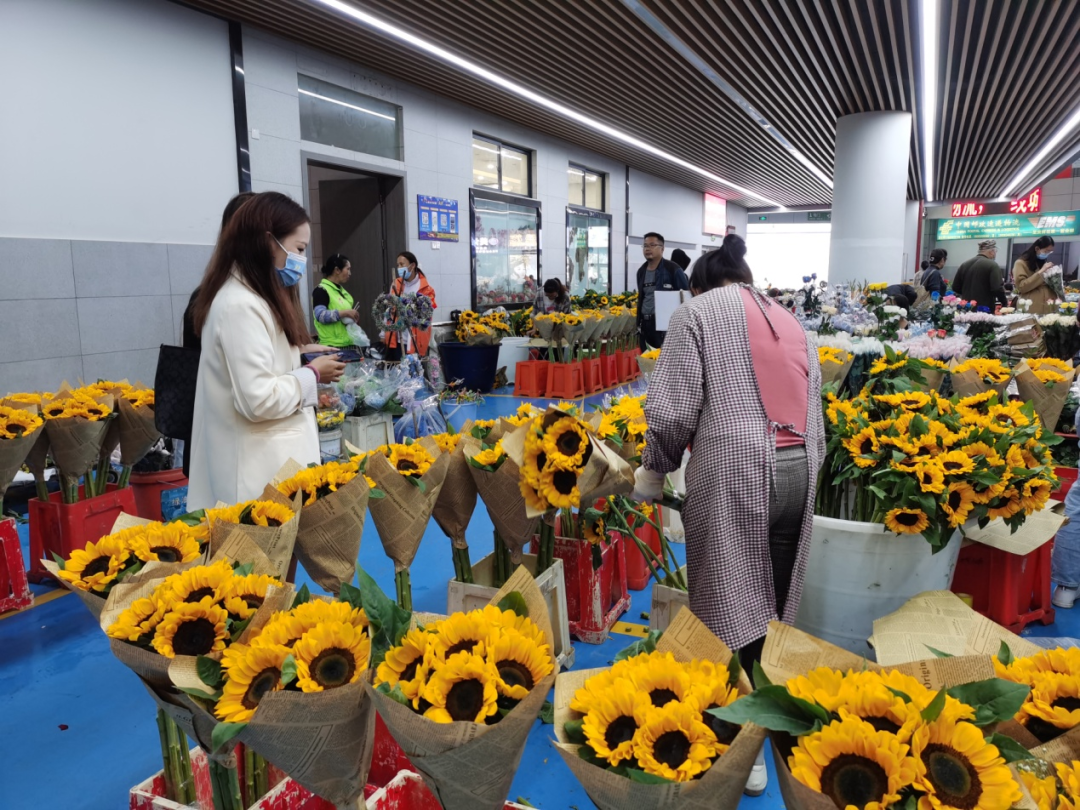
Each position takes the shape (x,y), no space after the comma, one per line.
(738,379)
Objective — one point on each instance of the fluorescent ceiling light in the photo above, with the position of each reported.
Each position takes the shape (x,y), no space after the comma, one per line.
(928,110)
(493,78)
(343,104)
(1048,147)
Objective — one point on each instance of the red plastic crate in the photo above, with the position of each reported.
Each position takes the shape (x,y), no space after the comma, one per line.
(14,590)
(1067,477)
(60,528)
(1009,589)
(609,370)
(387,758)
(530,378)
(594,375)
(628,368)
(148,488)
(638,573)
(407,791)
(595,599)
(566,380)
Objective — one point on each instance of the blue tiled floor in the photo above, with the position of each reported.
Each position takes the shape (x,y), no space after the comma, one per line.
(78,730)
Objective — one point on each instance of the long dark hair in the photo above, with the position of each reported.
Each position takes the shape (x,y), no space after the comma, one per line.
(724,265)
(244,245)
(1029,256)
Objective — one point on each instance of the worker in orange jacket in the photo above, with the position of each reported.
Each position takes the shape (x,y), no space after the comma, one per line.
(410,279)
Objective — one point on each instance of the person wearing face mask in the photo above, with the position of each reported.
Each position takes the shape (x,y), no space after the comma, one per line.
(552,297)
(334,305)
(739,379)
(254,400)
(1028,278)
(409,278)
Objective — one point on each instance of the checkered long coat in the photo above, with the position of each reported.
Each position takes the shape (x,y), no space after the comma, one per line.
(704,391)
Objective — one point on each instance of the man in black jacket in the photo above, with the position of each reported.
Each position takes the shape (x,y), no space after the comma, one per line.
(657,273)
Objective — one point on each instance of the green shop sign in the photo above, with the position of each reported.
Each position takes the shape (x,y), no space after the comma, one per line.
(1010,226)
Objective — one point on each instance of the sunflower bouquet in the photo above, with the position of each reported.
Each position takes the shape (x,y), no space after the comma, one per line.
(647,362)
(925,465)
(482,330)
(19,431)
(457,500)
(461,694)
(1052,707)
(896,372)
(134,427)
(852,734)
(334,506)
(271,524)
(36,458)
(623,426)
(411,475)
(978,375)
(835,365)
(1045,382)
(643,733)
(77,422)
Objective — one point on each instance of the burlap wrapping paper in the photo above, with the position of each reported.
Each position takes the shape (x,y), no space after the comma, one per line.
(469,766)
(13,453)
(75,443)
(137,431)
(402,515)
(329,531)
(836,372)
(969,384)
(933,377)
(457,499)
(505,504)
(789,653)
(720,788)
(37,456)
(276,542)
(1049,400)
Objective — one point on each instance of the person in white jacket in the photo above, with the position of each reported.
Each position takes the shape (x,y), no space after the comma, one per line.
(254,400)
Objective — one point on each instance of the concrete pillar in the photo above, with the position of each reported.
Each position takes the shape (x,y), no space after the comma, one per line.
(869,197)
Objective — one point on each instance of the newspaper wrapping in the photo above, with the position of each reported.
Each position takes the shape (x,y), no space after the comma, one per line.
(836,372)
(469,766)
(457,500)
(933,379)
(505,503)
(969,384)
(719,788)
(276,542)
(13,453)
(76,443)
(137,432)
(37,456)
(1049,400)
(329,532)
(402,516)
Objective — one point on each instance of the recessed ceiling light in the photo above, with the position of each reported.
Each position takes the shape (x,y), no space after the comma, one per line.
(928,109)
(567,112)
(1040,156)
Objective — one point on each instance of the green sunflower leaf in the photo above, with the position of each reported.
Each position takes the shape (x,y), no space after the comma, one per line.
(575,731)
(734,670)
(902,695)
(939,653)
(1005,655)
(394,694)
(288,670)
(209,671)
(130,571)
(193,518)
(760,678)
(516,602)
(376,494)
(303,596)
(58,560)
(644,645)
(237,629)
(416,482)
(933,711)
(243,570)
(1009,748)
(586,753)
(245,515)
(643,778)
(388,622)
(993,700)
(223,732)
(775,709)
(200,694)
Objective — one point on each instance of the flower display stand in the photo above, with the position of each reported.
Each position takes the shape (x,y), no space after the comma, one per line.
(638,573)
(530,379)
(566,380)
(552,584)
(609,370)
(594,375)
(407,791)
(14,590)
(60,528)
(1011,589)
(859,572)
(666,603)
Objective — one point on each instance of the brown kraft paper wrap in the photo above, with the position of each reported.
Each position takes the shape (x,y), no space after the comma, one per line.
(37,457)
(329,532)
(137,431)
(469,766)
(933,379)
(836,372)
(719,788)
(969,384)
(504,501)
(13,453)
(402,516)
(457,500)
(276,542)
(76,444)
(1049,400)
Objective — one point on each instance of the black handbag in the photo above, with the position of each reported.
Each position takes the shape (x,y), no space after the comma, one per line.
(174,391)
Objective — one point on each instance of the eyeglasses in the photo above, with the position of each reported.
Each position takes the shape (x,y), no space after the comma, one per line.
(653,245)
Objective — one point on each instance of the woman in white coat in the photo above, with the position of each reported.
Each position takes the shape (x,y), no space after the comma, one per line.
(254,399)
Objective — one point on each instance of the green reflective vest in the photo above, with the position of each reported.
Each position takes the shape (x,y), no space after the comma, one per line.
(334,334)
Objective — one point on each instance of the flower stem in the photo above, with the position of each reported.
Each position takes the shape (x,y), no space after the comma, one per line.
(42,487)
(262,785)
(186,775)
(462,565)
(404,589)
(546,548)
(501,567)
(249,777)
(166,757)
(125,477)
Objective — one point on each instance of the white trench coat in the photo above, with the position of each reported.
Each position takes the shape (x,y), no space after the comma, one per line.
(250,414)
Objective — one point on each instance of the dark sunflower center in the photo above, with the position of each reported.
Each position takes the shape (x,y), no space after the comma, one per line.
(866,446)
(952,466)
(883,724)
(99,565)
(252,601)
(1071,704)
(18,430)
(515,673)
(406,466)
(273,522)
(955,500)
(409,672)
(907,519)
(569,443)
(851,779)
(620,731)
(333,667)
(194,638)
(672,748)
(725,732)
(465,699)
(166,553)
(662,697)
(260,685)
(564,481)
(541,460)
(199,594)
(954,778)
(468,645)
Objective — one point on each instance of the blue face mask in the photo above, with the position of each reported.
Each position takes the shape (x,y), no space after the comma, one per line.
(1044,256)
(294,268)
(402,272)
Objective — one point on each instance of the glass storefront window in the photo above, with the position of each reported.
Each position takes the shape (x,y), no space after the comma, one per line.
(501,167)
(585,187)
(594,191)
(336,116)
(588,252)
(506,250)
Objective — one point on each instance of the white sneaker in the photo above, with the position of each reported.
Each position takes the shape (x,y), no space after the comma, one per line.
(1064,597)
(759,777)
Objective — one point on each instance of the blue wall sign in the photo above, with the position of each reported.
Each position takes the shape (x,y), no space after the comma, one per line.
(438,218)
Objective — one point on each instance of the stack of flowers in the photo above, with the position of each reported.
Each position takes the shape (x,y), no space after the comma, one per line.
(482,330)
(899,371)
(19,431)
(77,422)
(1060,332)
(36,459)
(271,524)
(979,375)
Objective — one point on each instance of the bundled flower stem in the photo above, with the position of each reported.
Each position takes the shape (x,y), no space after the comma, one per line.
(503,565)
(226,785)
(545,556)
(176,761)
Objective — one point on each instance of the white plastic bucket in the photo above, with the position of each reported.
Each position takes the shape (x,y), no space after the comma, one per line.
(330,444)
(513,350)
(859,572)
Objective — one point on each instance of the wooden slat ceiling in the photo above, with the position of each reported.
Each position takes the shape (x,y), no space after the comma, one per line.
(1009,76)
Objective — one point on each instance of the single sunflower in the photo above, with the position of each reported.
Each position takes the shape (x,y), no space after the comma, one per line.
(674,743)
(520,663)
(957,768)
(331,655)
(462,689)
(613,720)
(191,629)
(251,674)
(907,521)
